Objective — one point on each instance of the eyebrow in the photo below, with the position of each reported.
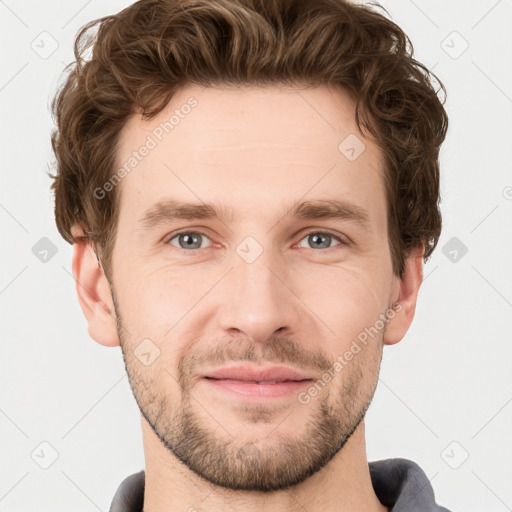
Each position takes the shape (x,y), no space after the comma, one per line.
(168,210)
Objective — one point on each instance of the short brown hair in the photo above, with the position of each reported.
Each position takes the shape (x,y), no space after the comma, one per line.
(138,58)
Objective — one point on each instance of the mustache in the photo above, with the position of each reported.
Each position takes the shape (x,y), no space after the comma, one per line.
(277,350)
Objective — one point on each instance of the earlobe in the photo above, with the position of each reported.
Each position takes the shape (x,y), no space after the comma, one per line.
(401,318)
(94,295)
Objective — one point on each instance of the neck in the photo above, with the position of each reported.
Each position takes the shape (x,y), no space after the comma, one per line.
(343,485)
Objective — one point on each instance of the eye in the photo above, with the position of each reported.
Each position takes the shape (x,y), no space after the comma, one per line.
(188,240)
(321,239)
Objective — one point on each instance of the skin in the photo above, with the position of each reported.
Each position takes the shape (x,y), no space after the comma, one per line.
(256,151)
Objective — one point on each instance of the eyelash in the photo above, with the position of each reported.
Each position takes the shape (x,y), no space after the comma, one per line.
(192,252)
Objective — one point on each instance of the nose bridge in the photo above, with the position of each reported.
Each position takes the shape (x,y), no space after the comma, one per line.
(259,302)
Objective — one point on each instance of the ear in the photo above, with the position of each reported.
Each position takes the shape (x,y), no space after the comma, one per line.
(408,288)
(94,294)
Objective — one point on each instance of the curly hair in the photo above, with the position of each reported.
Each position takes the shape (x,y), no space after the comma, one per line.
(134,61)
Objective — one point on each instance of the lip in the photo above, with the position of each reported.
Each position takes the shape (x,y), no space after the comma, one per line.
(257,383)
(254,374)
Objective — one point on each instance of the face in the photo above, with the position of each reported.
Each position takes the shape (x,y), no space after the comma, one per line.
(267,282)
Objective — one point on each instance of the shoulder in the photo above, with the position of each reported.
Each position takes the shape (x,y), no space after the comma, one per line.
(402,484)
(129,496)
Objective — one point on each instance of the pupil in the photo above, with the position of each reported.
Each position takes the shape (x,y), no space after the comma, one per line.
(189,240)
(318,238)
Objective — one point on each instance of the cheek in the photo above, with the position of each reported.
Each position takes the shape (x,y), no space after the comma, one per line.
(346,296)
(153,300)
(163,307)
(346,299)
(148,310)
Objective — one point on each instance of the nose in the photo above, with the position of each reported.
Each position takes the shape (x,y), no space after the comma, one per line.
(258,300)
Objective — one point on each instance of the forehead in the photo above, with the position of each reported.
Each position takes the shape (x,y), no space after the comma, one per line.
(250,147)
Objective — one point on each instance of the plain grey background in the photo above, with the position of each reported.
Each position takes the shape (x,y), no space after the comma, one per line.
(70,427)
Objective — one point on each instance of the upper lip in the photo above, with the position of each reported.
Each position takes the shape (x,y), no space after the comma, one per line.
(255,374)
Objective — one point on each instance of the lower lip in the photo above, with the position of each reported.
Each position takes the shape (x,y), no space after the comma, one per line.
(255,390)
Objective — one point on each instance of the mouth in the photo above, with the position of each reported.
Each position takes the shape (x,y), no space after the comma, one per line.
(254,383)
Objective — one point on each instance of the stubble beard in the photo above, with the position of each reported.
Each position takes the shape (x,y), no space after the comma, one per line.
(278,461)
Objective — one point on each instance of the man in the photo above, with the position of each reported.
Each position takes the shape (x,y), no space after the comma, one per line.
(251,188)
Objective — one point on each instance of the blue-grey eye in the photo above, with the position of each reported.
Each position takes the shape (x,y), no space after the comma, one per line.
(320,240)
(189,240)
